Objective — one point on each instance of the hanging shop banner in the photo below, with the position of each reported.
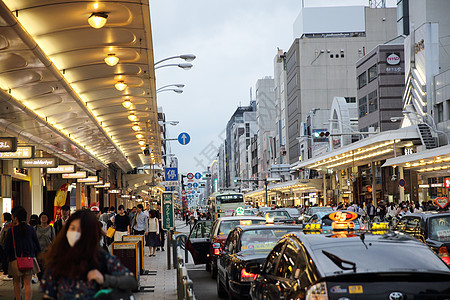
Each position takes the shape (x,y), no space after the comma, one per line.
(77,175)
(41,162)
(167,211)
(8,144)
(60,200)
(114,191)
(99,182)
(21,152)
(61,169)
(103,186)
(88,179)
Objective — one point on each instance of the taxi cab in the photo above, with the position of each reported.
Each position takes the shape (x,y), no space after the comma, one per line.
(337,220)
(431,228)
(243,254)
(206,238)
(346,265)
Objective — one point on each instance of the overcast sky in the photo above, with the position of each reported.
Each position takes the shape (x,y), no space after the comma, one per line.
(235,42)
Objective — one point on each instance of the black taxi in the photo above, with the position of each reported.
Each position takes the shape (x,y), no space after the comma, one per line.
(431,228)
(243,254)
(347,265)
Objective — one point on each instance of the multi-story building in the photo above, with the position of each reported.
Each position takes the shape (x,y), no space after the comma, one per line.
(321,62)
(380,83)
(281,146)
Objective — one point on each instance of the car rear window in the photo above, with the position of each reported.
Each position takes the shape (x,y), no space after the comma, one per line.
(440,228)
(226,226)
(281,214)
(380,257)
(261,240)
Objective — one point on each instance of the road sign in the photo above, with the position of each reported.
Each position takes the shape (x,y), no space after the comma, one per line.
(195,185)
(198,175)
(183,198)
(402,182)
(171,174)
(184,138)
(167,211)
(190,176)
(170,183)
(183,192)
(189,185)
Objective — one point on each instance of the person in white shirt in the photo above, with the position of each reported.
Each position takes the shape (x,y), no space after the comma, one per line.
(405,211)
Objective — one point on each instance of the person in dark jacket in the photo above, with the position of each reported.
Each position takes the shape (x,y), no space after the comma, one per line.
(76,266)
(21,240)
(65,214)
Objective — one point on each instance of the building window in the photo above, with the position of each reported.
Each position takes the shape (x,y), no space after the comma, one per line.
(440,112)
(362,80)
(247,130)
(350,99)
(373,102)
(372,73)
(362,106)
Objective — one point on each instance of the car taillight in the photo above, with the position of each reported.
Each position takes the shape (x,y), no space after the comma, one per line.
(443,254)
(217,248)
(246,276)
(317,292)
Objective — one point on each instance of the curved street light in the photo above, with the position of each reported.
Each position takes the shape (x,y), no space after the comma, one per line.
(178,91)
(173,123)
(184,66)
(186,57)
(178,85)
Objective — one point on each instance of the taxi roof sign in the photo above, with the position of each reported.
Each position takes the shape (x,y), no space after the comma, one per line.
(240,211)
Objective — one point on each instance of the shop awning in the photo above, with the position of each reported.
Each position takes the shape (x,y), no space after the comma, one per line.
(435,160)
(295,186)
(377,147)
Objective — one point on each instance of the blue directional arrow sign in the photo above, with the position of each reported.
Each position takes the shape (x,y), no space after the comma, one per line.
(184,138)
(198,175)
(195,185)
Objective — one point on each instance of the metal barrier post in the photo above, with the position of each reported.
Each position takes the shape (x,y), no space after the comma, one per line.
(169,243)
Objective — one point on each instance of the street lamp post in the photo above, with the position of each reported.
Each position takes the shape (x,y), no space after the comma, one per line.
(186,57)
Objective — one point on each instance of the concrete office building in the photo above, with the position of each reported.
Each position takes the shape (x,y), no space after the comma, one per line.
(321,62)
(250,129)
(281,151)
(265,118)
(381,83)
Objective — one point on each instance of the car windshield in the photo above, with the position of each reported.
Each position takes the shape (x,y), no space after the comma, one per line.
(380,257)
(279,214)
(293,211)
(249,212)
(317,209)
(226,226)
(261,240)
(440,228)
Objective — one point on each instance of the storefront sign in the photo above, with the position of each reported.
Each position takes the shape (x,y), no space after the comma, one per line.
(21,152)
(99,182)
(77,175)
(42,162)
(167,211)
(88,179)
(8,144)
(114,191)
(447,182)
(441,201)
(106,185)
(125,196)
(437,185)
(393,59)
(61,169)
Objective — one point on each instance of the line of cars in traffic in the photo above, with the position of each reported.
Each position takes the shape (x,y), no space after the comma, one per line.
(333,255)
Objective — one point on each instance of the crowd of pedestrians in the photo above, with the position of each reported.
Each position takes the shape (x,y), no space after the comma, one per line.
(70,257)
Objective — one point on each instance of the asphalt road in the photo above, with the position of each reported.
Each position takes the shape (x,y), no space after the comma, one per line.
(204,285)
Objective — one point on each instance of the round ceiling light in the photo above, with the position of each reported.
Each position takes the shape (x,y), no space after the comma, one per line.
(120,85)
(127,103)
(132,117)
(136,127)
(111,59)
(142,143)
(98,19)
(139,136)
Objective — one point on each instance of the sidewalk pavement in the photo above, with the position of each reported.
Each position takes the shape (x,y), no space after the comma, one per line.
(165,281)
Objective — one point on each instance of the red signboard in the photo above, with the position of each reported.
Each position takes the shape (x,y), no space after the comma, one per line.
(447,182)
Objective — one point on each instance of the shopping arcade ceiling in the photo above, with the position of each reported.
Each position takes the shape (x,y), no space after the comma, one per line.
(58,93)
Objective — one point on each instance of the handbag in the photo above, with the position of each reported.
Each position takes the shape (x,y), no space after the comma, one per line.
(24,263)
(110,232)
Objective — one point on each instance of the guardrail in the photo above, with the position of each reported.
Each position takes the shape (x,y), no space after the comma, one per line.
(185,286)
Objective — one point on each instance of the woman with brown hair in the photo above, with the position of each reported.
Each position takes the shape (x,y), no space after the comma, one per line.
(76,267)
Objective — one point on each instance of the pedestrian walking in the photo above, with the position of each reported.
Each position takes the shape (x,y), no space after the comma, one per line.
(65,213)
(7,224)
(140,224)
(46,235)
(121,224)
(77,268)
(152,239)
(21,241)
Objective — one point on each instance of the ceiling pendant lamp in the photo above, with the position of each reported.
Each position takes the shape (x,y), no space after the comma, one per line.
(120,85)
(132,117)
(142,143)
(98,19)
(139,136)
(111,59)
(127,103)
(136,127)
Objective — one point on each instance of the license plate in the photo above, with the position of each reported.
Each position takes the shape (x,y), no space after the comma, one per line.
(355,289)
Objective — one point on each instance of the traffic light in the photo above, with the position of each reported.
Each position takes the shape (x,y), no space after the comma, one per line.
(324,134)
(182,182)
(321,134)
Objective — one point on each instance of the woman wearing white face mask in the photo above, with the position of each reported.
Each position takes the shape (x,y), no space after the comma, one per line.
(76,267)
